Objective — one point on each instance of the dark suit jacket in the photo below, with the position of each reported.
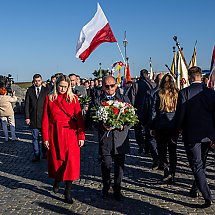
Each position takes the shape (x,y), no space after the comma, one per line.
(138,92)
(145,111)
(117,142)
(34,106)
(195,113)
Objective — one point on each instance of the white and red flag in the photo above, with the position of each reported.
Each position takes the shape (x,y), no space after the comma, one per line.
(211,81)
(94,33)
(182,79)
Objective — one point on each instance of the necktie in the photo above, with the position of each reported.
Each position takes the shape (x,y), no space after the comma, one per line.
(110,97)
(38,92)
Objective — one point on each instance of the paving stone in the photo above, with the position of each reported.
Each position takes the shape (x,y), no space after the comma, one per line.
(26,189)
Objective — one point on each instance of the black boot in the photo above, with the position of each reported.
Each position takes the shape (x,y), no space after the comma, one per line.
(117,193)
(167,175)
(67,192)
(172,179)
(56,186)
(105,192)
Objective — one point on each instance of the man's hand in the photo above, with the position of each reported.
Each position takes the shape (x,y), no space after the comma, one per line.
(121,128)
(46,144)
(152,133)
(81,143)
(107,128)
(173,141)
(27,121)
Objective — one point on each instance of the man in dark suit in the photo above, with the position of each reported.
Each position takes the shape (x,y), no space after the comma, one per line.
(113,146)
(145,112)
(50,85)
(34,100)
(137,95)
(195,116)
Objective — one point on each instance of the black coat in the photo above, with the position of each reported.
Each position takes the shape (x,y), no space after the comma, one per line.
(144,112)
(161,120)
(138,92)
(34,106)
(195,113)
(116,142)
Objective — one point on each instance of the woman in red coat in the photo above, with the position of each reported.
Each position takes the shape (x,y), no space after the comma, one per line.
(63,135)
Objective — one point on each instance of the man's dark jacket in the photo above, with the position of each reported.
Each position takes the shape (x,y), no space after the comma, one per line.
(116,142)
(138,93)
(195,113)
(146,110)
(34,106)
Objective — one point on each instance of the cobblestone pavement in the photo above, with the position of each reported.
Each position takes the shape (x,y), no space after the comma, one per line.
(26,189)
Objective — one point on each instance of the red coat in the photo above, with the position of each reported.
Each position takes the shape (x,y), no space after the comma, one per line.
(63,135)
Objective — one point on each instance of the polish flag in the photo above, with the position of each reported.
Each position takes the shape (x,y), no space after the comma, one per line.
(94,33)
(211,81)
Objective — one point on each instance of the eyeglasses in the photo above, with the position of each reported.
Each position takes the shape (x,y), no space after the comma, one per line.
(110,86)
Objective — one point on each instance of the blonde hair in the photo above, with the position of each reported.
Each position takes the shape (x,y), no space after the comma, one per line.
(168,94)
(69,94)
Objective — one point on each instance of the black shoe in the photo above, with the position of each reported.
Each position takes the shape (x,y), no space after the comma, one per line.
(207,204)
(160,167)
(104,193)
(140,150)
(194,193)
(36,159)
(167,175)
(67,193)
(155,165)
(56,186)
(68,198)
(146,151)
(171,180)
(118,196)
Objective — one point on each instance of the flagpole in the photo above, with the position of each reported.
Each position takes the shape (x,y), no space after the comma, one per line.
(151,71)
(175,63)
(180,50)
(120,52)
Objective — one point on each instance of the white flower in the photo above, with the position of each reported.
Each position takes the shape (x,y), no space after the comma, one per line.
(102,114)
(110,102)
(116,104)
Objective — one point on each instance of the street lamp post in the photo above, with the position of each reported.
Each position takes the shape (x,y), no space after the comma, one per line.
(125,43)
(100,70)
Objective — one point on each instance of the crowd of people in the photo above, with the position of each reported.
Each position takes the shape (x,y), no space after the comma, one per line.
(59,112)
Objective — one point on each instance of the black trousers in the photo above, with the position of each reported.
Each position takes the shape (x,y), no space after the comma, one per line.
(197,155)
(106,165)
(164,143)
(142,136)
(153,148)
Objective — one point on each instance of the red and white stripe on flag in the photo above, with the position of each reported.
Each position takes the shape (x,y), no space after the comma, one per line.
(94,33)
(211,81)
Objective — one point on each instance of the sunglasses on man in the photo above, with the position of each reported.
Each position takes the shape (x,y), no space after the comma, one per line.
(109,86)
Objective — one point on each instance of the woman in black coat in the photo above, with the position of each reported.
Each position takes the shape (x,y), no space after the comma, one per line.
(162,125)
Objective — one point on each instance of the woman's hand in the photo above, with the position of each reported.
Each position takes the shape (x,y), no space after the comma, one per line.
(27,121)
(46,144)
(81,143)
